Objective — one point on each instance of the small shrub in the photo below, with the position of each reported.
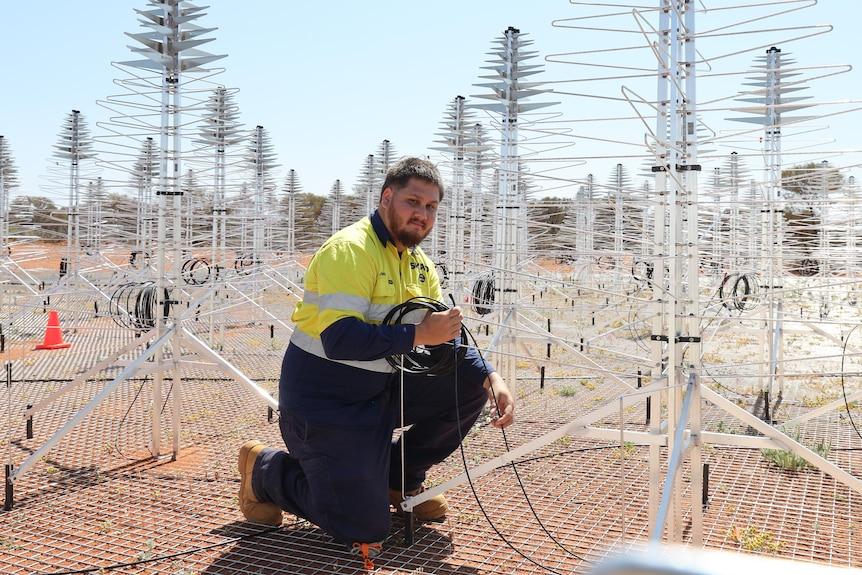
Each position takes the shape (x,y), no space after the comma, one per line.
(789,460)
(106,526)
(753,540)
(148,552)
(722,427)
(627,450)
(588,384)
(567,391)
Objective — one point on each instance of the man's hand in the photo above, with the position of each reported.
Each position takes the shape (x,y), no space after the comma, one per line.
(439,327)
(503,411)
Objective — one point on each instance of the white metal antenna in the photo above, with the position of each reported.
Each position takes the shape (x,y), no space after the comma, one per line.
(671,133)
(261,160)
(8,182)
(170,49)
(770,109)
(220,131)
(478,161)
(368,180)
(73,147)
(508,92)
(459,141)
(292,187)
(336,197)
(145,173)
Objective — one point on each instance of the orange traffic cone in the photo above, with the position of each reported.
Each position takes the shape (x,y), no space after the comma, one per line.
(53,334)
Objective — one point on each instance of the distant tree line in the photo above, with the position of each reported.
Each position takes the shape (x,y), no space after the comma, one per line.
(557,226)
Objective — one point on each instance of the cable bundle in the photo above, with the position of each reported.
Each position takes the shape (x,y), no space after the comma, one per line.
(244,262)
(740,291)
(483,295)
(134,305)
(428,359)
(197,271)
(139,259)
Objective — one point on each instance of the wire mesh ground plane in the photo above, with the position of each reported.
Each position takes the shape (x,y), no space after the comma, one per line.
(102,502)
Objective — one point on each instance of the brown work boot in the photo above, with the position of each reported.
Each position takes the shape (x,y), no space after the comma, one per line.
(254,510)
(433,509)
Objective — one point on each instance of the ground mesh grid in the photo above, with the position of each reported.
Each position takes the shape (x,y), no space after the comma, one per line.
(99,500)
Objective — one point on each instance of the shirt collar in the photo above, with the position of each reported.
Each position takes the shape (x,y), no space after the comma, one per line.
(380,228)
(382,232)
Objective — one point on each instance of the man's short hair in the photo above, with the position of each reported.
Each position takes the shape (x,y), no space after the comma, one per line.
(405,169)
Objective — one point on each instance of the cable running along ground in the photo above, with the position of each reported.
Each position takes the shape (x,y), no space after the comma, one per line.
(517,476)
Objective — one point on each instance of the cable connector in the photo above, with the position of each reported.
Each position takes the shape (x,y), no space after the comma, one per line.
(368,552)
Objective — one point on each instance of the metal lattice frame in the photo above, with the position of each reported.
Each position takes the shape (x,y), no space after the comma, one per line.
(674,364)
(508,92)
(8,181)
(171,50)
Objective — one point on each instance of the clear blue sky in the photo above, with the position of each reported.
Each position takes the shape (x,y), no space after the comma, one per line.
(331,80)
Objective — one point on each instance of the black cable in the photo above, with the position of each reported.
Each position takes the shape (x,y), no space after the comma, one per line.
(144,259)
(166,557)
(126,414)
(742,291)
(517,476)
(191,268)
(633,314)
(648,269)
(432,360)
(443,274)
(244,262)
(134,305)
(569,451)
(483,295)
(843,389)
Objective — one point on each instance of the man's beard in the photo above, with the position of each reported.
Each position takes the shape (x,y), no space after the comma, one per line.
(407,237)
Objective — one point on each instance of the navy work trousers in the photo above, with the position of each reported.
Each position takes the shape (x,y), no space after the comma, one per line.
(337,474)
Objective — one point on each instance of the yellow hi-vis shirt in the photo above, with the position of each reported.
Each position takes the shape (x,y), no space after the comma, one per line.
(359,273)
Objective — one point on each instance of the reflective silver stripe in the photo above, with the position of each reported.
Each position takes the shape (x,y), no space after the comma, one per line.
(315,347)
(378,312)
(344,301)
(347,302)
(310,297)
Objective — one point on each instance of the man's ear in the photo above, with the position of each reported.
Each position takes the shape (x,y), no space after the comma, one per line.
(386,197)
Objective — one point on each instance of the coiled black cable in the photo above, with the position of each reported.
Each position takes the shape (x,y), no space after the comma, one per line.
(244,262)
(443,274)
(642,270)
(139,259)
(843,388)
(483,295)
(135,305)
(425,359)
(197,271)
(740,291)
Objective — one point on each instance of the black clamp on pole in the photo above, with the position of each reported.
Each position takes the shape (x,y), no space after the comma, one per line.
(10,489)
(29,424)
